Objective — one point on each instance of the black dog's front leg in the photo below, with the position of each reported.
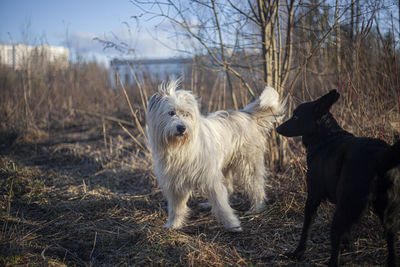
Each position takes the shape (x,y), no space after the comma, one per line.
(351,203)
(310,209)
(391,240)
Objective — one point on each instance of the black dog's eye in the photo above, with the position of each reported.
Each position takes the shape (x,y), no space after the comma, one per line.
(295,117)
(171,113)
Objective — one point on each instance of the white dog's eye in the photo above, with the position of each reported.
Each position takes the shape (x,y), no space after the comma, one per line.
(186,114)
(172,113)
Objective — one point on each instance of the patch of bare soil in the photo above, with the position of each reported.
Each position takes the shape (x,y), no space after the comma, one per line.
(87,196)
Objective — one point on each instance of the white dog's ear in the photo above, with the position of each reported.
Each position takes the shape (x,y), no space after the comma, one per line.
(154,101)
(168,89)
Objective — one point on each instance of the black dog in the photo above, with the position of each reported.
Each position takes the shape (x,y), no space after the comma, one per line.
(349,171)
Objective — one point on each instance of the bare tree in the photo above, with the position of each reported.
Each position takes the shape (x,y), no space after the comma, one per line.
(338,38)
(227,31)
(253,41)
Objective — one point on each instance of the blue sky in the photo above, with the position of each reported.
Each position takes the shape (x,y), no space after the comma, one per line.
(75,23)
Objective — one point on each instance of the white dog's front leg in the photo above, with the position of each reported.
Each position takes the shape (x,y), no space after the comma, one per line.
(177,208)
(219,199)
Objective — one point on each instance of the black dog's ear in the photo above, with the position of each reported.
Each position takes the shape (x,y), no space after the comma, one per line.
(324,103)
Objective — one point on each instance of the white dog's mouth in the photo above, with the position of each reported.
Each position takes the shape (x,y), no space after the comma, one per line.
(179,135)
(178,139)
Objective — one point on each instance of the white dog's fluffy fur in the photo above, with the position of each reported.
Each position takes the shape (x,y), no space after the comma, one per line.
(210,153)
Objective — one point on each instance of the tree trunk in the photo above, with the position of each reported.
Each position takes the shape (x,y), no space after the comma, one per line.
(338,40)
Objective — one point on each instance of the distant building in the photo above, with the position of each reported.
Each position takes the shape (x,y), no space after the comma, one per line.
(156,69)
(22,56)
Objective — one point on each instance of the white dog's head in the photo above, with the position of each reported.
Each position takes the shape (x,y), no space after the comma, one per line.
(171,116)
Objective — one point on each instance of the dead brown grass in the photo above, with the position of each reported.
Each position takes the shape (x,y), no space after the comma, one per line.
(77,188)
(76,203)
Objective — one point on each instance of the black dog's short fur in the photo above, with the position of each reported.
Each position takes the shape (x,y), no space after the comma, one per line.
(349,171)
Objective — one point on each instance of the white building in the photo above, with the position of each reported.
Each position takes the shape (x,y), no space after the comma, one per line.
(22,56)
(157,69)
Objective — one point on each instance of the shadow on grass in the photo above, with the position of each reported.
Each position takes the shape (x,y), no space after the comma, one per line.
(76,203)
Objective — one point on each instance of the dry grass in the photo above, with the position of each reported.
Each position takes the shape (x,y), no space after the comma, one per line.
(72,204)
(75,201)
(78,190)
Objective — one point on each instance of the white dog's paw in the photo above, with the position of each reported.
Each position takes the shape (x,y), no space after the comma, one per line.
(236,229)
(172,226)
(233,225)
(256,210)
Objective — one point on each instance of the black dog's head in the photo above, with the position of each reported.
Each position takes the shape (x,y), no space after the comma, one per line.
(306,116)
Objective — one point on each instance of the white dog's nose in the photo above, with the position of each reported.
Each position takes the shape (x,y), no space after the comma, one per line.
(181,129)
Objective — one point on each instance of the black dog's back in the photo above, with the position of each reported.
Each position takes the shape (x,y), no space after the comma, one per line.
(357,160)
(349,171)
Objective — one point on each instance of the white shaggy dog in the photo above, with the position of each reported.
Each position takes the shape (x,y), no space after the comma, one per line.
(210,153)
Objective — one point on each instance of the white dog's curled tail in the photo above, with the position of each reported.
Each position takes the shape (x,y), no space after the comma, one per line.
(268,107)
(269,98)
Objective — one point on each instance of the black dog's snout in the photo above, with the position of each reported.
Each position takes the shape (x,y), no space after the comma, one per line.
(181,129)
(283,130)
(279,129)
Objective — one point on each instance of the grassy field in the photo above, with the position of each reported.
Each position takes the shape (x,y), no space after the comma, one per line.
(78,189)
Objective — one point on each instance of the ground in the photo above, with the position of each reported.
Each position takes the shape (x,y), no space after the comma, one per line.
(87,196)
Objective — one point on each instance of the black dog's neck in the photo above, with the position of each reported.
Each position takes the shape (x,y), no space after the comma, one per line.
(327,129)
